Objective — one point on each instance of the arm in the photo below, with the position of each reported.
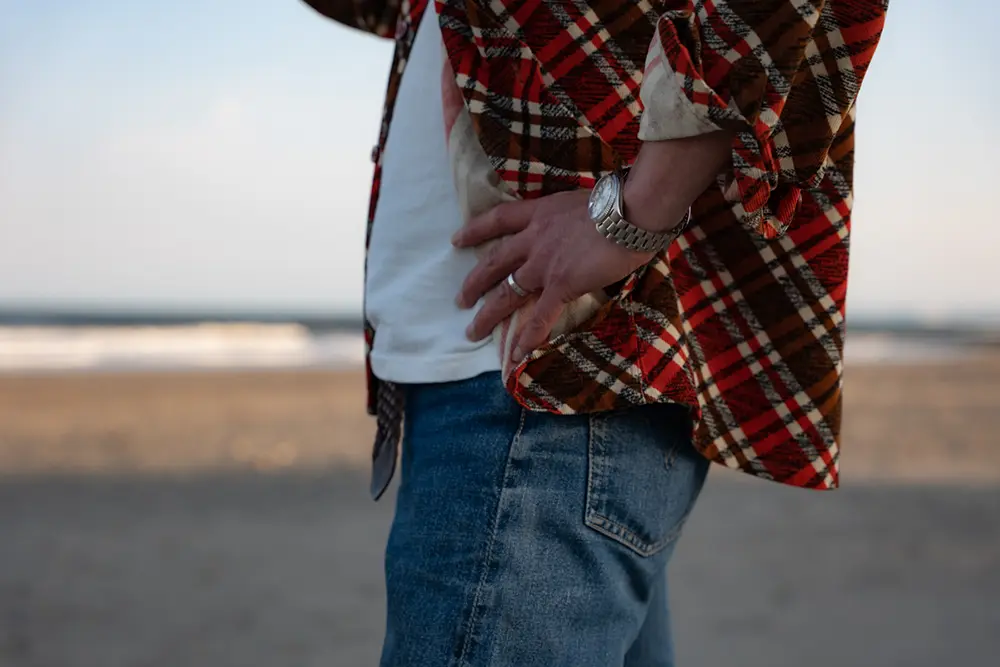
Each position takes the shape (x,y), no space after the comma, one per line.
(778,77)
(375,16)
(764,86)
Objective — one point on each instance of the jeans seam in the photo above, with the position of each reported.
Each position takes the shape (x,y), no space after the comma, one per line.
(475,613)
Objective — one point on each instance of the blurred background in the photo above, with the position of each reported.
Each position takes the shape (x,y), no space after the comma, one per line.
(183,445)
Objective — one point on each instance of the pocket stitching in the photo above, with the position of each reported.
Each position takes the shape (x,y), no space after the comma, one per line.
(615,530)
(671,458)
(626,537)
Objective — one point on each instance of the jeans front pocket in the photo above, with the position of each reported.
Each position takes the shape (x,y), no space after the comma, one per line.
(643,475)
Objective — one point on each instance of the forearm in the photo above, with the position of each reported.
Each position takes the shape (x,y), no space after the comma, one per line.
(669,175)
(781,76)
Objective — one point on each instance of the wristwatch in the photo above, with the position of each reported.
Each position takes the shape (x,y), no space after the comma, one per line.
(606,207)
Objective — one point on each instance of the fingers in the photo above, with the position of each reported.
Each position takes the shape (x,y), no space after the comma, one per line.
(500,261)
(535,331)
(500,304)
(502,220)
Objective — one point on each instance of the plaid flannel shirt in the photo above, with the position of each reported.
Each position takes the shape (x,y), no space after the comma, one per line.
(742,318)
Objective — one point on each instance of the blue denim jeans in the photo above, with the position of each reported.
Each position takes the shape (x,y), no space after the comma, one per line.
(524,539)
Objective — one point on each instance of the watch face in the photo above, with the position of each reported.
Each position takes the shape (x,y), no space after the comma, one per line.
(601,199)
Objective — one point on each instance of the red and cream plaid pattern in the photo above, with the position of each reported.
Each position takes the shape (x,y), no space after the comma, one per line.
(742,319)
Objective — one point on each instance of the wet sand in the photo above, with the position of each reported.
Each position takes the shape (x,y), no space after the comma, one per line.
(221,519)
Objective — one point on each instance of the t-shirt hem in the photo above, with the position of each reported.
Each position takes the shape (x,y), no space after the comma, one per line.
(430,369)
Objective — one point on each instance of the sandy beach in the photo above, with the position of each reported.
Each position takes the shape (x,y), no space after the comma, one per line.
(220,518)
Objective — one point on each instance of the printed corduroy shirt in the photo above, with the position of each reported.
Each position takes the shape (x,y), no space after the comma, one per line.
(742,318)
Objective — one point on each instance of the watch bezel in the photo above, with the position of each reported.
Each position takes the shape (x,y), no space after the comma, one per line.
(609,206)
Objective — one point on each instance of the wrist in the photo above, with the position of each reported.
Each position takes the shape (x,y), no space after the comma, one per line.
(668,176)
(649,206)
(606,208)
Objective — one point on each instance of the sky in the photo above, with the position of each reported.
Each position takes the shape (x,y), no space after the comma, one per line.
(182,156)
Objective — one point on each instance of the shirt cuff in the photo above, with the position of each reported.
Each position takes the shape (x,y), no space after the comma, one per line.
(679,103)
(667,111)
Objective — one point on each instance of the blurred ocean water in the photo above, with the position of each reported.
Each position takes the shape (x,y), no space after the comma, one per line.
(289,345)
(175,347)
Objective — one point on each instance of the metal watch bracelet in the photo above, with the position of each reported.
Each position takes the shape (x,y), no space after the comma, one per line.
(611,223)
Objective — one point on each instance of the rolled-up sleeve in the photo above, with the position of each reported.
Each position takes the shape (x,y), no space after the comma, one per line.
(375,16)
(783,75)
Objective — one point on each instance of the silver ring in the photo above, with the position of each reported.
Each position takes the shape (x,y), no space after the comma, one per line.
(518,290)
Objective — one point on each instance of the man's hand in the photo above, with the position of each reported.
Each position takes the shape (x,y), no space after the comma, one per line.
(553,249)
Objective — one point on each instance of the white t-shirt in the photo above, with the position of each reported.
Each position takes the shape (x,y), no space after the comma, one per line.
(413,272)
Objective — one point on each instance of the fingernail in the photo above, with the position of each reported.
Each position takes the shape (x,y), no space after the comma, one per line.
(469,332)
(460,302)
(518,355)
(456,238)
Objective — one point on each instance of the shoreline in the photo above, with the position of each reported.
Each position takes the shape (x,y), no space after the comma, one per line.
(908,422)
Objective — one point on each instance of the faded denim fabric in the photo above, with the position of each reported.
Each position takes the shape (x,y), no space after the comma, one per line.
(528,539)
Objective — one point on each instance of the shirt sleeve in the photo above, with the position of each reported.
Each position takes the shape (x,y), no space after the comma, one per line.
(782,74)
(375,16)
